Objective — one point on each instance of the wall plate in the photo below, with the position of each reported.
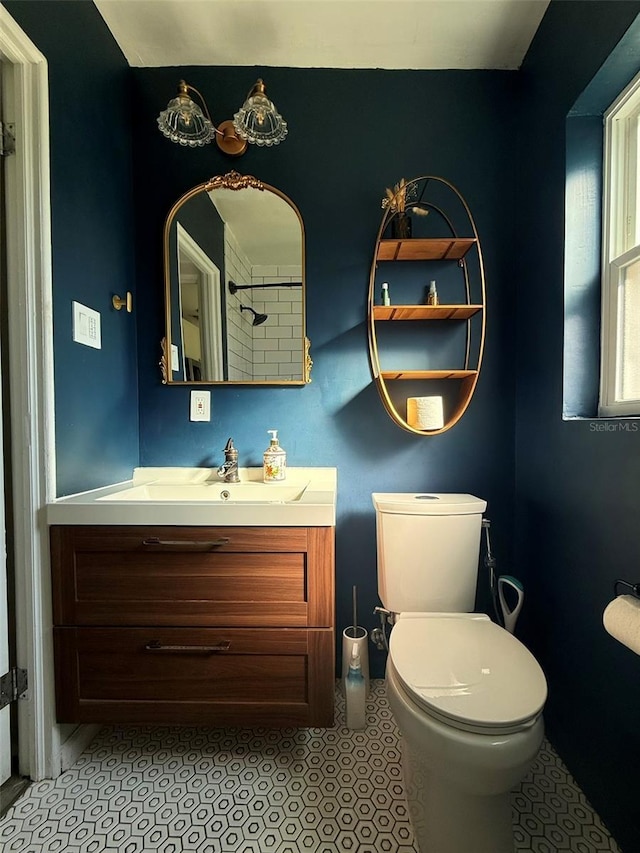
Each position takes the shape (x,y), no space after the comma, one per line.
(86,326)
(175,363)
(201,405)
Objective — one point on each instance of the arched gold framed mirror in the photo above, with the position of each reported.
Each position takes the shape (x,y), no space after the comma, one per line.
(234,272)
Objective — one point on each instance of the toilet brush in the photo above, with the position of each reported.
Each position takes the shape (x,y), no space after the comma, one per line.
(355,610)
(355,636)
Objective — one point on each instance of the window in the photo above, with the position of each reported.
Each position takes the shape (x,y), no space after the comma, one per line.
(620,363)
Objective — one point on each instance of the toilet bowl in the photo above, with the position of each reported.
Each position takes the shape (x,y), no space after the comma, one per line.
(467,698)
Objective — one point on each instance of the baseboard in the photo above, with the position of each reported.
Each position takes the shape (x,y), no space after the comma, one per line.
(76,743)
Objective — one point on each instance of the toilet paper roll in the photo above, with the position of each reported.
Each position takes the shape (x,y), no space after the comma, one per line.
(621,619)
(425,412)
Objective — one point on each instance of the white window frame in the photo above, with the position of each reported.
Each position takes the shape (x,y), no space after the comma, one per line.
(620,247)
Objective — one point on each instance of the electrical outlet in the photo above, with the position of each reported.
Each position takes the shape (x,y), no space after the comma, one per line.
(201,405)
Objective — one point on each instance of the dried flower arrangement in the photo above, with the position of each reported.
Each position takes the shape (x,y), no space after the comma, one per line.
(399,199)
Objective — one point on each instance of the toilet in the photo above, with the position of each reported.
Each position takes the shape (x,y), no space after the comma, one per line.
(466,695)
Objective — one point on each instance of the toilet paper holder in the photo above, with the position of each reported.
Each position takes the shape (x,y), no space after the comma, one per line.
(634,587)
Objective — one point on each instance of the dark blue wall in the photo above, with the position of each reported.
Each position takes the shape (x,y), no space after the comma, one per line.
(582,253)
(96,402)
(578,482)
(455,124)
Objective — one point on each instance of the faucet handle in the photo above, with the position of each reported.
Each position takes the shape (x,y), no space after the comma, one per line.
(230,452)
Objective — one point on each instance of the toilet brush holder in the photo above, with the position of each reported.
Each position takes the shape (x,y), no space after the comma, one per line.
(355,689)
(357,636)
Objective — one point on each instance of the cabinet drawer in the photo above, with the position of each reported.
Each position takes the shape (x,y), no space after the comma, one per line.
(239,677)
(193,576)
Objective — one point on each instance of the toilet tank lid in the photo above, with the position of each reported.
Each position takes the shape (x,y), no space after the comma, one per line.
(427,503)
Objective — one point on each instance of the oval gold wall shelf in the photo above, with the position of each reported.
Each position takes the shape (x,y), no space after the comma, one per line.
(447,233)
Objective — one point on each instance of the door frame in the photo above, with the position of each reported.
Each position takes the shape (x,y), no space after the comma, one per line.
(210,305)
(30,374)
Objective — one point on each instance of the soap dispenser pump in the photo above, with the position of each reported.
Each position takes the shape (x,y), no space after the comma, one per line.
(275,460)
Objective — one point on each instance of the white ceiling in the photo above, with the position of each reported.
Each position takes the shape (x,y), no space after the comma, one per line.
(266,227)
(416,34)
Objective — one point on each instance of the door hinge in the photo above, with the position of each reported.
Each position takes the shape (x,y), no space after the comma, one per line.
(13,685)
(7,138)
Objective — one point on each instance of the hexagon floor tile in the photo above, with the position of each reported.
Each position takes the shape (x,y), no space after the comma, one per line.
(197,790)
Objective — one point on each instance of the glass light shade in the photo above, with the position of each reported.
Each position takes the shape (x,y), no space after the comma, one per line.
(258,121)
(184,122)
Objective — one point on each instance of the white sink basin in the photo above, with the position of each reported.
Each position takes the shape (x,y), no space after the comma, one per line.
(262,493)
(197,496)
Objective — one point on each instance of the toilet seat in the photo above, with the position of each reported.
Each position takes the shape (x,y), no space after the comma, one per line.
(467,672)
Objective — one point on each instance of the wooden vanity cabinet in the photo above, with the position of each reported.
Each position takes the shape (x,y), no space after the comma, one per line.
(229,626)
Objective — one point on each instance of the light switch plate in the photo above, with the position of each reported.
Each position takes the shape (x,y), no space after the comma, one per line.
(86,326)
(175,364)
(201,405)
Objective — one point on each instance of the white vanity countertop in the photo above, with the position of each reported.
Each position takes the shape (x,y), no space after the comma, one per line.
(196,496)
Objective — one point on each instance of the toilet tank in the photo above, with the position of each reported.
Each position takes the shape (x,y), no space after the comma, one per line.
(428,551)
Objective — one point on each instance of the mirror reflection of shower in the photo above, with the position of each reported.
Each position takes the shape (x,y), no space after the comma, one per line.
(258,319)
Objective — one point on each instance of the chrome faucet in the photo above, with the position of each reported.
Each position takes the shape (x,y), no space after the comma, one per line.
(229,470)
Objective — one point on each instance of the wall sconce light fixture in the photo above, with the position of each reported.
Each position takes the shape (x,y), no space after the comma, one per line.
(257,121)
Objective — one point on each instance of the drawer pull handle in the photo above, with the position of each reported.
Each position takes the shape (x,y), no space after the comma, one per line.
(157,646)
(182,543)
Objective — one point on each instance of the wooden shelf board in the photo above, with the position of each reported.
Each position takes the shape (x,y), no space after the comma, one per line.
(425,312)
(432,249)
(427,374)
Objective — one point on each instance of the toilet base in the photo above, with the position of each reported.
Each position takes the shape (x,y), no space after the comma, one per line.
(458,783)
(446,820)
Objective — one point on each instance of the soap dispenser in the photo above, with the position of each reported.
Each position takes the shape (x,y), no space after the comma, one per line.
(275,460)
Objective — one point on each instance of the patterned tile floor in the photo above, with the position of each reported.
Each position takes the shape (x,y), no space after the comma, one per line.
(197,790)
